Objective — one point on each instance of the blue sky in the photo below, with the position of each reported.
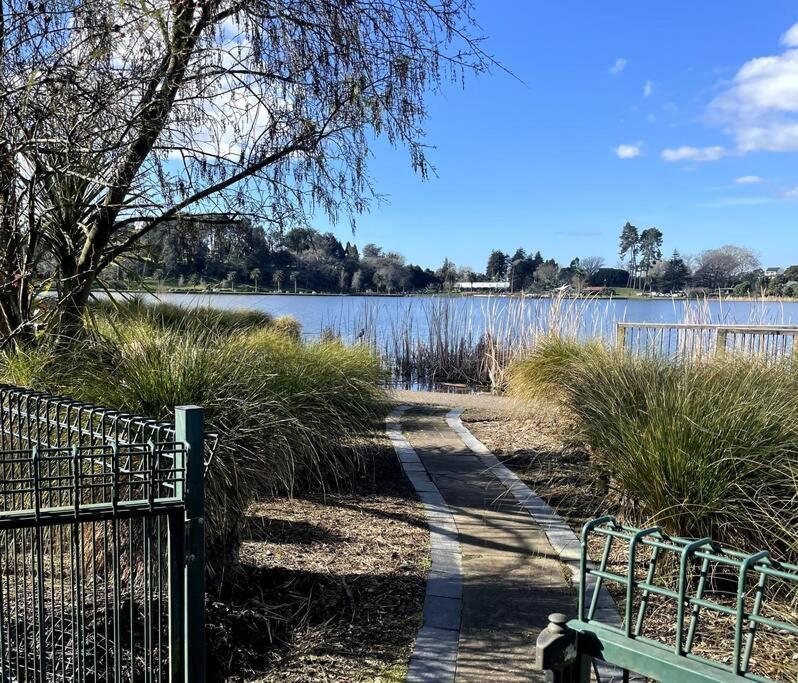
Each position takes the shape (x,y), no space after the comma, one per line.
(680,115)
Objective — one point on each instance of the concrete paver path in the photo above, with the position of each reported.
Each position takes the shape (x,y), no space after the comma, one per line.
(512,578)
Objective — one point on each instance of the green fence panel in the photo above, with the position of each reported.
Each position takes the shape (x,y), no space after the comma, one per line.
(101,542)
(673,570)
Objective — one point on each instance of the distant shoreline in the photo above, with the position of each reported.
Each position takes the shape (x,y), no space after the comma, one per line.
(453,295)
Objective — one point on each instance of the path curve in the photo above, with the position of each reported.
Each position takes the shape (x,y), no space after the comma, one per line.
(499,556)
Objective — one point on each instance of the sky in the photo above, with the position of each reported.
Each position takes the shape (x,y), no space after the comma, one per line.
(678,115)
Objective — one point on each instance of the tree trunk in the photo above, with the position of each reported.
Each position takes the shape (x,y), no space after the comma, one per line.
(76,284)
(16,325)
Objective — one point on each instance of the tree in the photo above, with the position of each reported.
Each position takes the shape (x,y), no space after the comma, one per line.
(388,274)
(118,117)
(521,274)
(277,278)
(497,265)
(299,239)
(675,274)
(610,277)
(295,279)
(629,247)
(721,267)
(352,253)
(650,248)
(447,273)
(591,265)
(231,278)
(546,274)
(372,251)
(573,275)
(577,277)
(791,273)
(255,274)
(332,246)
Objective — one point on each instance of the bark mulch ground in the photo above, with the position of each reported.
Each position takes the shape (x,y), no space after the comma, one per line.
(330,588)
(538,442)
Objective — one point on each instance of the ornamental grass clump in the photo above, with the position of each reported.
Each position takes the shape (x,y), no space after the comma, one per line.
(136,308)
(703,449)
(288,414)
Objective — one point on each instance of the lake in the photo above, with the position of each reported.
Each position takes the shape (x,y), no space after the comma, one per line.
(386,316)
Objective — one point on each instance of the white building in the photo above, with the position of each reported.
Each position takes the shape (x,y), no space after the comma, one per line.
(773,272)
(488,285)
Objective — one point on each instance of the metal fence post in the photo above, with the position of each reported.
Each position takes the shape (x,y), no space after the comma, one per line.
(177,580)
(557,652)
(189,429)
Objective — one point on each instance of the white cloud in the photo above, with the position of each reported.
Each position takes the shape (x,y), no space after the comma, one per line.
(618,66)
(791,194)
(686,153)
(749,180)
(790,37)
(760,105)
(648,88)
(628,151)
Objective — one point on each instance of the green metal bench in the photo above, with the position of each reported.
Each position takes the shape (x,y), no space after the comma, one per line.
(673,570)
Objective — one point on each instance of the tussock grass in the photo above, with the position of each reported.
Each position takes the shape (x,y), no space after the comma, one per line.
(165,315)
(288,414)
(706,449)
(541,373)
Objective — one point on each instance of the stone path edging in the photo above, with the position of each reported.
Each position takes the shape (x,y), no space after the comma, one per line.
(434,656)
(560,535)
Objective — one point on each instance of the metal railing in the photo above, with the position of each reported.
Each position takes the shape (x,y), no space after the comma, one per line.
(101,542)
(676,572)
(697,342)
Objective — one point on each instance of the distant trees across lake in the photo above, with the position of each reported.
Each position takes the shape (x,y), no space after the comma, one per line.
(223,252)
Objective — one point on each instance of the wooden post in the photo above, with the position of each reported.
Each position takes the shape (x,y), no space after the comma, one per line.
(620,336)
(720,348)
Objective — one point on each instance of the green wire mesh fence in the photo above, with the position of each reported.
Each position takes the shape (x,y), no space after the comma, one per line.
(100,554)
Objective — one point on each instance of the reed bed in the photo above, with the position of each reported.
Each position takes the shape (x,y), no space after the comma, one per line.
(472,341)
(442,341)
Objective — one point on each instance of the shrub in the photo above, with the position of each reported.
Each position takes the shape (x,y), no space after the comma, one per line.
(703,449)
(287,414)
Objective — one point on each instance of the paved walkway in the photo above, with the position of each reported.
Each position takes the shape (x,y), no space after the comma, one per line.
(512,578)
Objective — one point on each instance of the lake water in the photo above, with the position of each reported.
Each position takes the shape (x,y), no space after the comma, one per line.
(387,316)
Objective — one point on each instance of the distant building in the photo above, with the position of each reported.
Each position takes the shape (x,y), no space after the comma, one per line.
(486,285)
(773,272)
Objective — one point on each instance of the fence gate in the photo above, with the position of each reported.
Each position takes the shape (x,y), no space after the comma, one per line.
(101,543)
